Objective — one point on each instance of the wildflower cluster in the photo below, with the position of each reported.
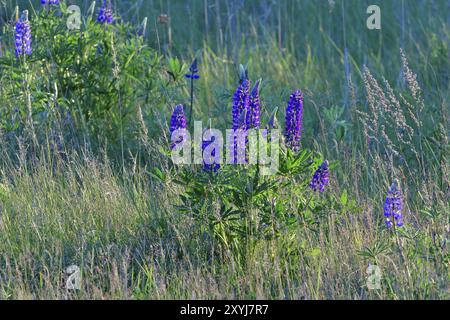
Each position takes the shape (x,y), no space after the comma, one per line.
(23,29)
(246,115)
(23,36)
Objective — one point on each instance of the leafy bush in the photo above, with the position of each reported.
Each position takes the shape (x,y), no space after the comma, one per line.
(235,210)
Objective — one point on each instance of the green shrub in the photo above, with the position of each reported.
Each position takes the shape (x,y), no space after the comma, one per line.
(95,77)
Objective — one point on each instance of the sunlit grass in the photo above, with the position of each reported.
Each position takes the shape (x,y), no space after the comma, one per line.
(123,223)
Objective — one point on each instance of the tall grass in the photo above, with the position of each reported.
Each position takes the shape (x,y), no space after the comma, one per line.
(376,103)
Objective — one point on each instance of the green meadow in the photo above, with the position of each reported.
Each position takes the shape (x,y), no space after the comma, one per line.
(87,180)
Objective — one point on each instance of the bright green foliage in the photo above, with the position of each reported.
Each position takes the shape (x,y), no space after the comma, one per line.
(99,75)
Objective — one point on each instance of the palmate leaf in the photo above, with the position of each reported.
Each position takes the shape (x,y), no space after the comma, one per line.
(158,174)
(264,187)
(226,213)
(379,248)
(295,163)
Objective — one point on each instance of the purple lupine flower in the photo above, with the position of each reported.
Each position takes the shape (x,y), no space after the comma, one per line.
(23,36)
(241,103)
(320,178)
(393,206)
(253,116)
(105,15)
(240,110)
(49,2)
(212,166)
(294,118)
(178,121)
(193,71)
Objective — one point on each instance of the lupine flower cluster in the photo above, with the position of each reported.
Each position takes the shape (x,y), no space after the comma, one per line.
(246,112)
(294,118)
(23,36)
(246,109)
(320,178)
(178,121)
(393,206)
(49,2)
(105,15)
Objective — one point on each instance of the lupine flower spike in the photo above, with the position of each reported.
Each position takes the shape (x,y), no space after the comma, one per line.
(254,114)
(241,103)
(393,206)
(178,121)
(193,75)
(240,110)
(105,15)
(294,118)
(321,178)
(49,2)
(23,36)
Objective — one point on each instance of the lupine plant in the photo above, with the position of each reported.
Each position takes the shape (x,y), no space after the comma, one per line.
(99,79)
(251,205)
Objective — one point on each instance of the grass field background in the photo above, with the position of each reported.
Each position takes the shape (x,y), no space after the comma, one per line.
(104,208)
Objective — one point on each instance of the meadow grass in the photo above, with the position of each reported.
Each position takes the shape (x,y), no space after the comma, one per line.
(103,207)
